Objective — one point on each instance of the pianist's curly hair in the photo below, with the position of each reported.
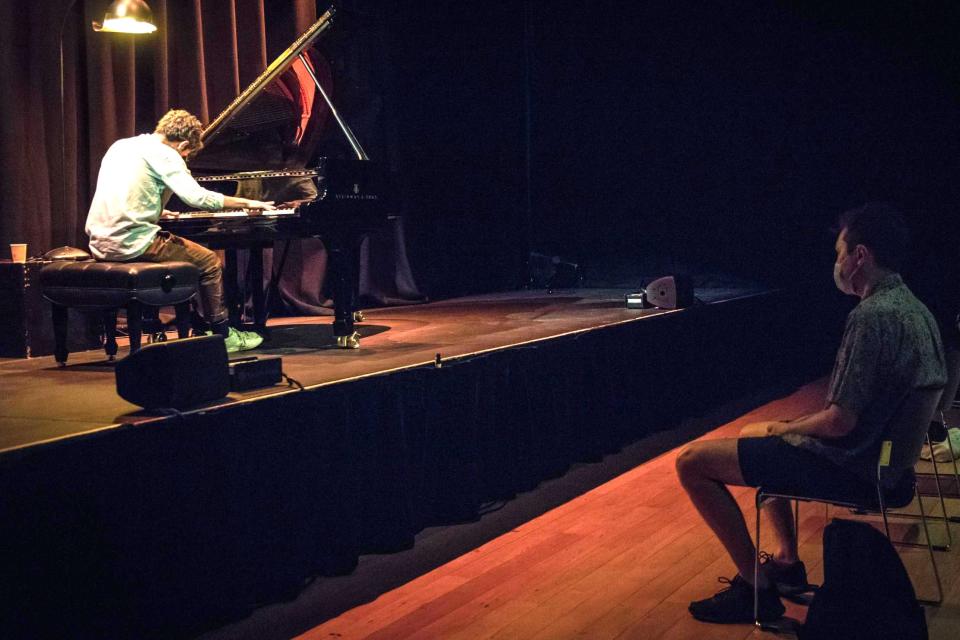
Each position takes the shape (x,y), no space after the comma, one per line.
(178,125)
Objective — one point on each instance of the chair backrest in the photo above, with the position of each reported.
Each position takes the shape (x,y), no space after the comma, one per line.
(953,379)
(907,431)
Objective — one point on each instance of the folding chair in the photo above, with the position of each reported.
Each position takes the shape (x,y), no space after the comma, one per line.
(946,403)
(896,482)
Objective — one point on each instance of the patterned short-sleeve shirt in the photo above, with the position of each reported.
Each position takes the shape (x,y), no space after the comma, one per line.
(891,345)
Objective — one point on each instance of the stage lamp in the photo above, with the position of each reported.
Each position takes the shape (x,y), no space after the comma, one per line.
(127,16)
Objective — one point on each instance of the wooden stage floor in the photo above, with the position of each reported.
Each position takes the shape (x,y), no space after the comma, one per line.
(621,561)
(41,402)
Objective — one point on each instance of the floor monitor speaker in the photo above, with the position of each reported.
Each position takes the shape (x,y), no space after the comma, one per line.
(177,374)
(670,292)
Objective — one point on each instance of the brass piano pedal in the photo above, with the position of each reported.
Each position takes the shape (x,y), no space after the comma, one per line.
(349,342)
(358,316)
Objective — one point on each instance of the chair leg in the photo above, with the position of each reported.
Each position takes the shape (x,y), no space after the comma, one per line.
(883,513)
(60,334)
(110,333)
(134,324)
(933,560)
(756,566)
(183,319)
(953,455)
(929,544)
(943,505)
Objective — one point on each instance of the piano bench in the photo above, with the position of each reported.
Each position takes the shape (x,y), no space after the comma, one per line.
(111,285)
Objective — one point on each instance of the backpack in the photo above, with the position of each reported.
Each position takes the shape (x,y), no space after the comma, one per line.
(866,592)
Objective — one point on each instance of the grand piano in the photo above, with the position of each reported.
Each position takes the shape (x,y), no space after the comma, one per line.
(263,146)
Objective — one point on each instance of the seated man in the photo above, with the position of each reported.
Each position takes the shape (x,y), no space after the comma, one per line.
(122,222)
(890,345)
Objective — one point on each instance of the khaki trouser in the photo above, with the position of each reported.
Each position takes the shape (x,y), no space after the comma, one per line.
(167,247)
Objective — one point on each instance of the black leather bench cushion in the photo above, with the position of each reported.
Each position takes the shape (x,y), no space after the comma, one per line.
(114,284)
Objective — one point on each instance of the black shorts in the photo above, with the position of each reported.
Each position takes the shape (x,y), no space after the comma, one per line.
(782,468)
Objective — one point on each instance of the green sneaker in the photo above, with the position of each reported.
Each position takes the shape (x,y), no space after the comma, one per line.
(241,340)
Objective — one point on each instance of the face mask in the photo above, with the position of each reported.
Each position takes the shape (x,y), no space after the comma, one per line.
(845,284)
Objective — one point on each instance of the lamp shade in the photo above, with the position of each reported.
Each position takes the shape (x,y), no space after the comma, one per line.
(127,16)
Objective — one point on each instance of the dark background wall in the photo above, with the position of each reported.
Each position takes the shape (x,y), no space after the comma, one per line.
(458,98)
(633,138)
(705,136)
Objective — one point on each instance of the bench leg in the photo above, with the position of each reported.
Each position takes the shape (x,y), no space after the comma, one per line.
(134,324)
(110,333)
(183,319)
(60,334)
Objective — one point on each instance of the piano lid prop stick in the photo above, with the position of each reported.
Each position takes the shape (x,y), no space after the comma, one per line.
(354,143)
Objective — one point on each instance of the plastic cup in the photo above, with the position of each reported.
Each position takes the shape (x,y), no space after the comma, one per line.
(18,252)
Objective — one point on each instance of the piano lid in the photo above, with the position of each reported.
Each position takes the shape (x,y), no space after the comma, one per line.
(276,122)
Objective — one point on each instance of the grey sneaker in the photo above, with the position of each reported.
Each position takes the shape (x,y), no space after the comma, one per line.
(241,340)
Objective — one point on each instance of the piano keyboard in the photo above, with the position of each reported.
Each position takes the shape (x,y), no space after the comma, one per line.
(235,213)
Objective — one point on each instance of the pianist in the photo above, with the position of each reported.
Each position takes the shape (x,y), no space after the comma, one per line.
(136,176)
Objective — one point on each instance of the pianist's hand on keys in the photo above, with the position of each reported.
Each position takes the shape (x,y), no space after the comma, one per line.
(253,207)
(238,208)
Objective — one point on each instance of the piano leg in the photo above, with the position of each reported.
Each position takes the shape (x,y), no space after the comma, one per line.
(343,255)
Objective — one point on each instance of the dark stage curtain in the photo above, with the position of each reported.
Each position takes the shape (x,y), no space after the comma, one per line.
(202,55)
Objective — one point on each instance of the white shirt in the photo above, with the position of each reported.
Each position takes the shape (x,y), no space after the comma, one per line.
(122,221)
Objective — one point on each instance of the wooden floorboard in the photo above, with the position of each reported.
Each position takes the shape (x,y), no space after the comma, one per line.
(621,561)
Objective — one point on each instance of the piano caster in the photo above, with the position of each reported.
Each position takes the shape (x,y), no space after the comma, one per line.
(358,316)
(349,342)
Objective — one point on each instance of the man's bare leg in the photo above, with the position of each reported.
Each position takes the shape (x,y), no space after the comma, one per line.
(780,514)
(705,469)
